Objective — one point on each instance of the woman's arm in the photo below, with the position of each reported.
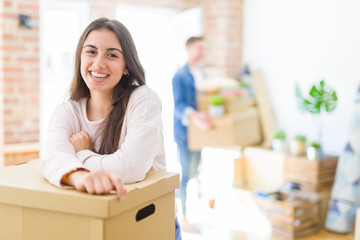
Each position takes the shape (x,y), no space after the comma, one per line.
(60,156)
(60,162)
(143,140)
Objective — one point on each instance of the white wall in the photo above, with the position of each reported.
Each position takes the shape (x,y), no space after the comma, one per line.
(304,41)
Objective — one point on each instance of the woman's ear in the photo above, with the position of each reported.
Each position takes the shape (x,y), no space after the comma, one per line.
(126,72)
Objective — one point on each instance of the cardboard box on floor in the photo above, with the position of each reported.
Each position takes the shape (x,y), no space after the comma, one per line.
(232,104)
(259,168)
(32,209)
(241,129)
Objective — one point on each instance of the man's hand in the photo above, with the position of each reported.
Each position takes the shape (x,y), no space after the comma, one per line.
(201,120)
(98,182)
(81,141)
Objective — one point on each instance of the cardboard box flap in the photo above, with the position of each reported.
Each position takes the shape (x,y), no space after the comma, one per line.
(24,186)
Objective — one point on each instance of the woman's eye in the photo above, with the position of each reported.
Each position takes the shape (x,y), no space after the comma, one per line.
(91,52)
(112,55)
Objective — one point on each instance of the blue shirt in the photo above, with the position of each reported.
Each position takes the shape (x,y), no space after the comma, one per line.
(184,92)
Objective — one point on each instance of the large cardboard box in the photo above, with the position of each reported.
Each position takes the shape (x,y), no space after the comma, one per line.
(259,168)
(241,129)
(232,104)
(32,209)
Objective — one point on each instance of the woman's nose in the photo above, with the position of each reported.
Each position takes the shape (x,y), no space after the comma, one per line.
(99,62)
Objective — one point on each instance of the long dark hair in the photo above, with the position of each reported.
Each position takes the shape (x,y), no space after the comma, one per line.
(111,129)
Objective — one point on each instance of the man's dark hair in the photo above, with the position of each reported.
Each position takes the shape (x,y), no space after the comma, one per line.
(191,40)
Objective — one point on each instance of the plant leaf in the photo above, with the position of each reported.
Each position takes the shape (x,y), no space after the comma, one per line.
(321,97)
(314,92)
(334,96)
(322,85)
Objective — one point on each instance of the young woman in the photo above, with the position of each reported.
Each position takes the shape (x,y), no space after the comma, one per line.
(110,131)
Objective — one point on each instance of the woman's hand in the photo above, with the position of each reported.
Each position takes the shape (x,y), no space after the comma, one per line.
(201,120)
(81,141)
(98,182)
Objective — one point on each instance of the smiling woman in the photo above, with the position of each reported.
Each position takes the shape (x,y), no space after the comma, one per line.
(94,138)
(100,61)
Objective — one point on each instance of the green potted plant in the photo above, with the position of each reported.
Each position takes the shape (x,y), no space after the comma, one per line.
(298,145)
(279,141)
(322,98)
(314,152)
(216,108)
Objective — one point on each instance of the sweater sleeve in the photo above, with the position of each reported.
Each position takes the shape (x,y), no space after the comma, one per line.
(142,142)
(60,155)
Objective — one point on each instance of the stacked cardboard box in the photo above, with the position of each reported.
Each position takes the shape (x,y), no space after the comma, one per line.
(240,129)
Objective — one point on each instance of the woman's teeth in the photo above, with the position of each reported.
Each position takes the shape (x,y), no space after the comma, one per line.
(98,75)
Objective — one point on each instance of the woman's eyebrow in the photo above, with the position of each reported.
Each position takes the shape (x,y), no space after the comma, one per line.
(89,45)
(114,49)
(109,49)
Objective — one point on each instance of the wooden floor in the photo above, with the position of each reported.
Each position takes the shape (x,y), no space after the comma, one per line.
(326,235)
(210,233)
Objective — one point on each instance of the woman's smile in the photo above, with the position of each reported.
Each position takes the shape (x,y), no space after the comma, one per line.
(98,76)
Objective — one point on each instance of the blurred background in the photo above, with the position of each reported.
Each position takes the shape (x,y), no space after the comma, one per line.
(284,42)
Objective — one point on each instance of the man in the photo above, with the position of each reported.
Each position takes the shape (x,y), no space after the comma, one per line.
(184,90)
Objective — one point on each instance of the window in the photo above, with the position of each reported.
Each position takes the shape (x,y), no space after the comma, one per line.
(61,26)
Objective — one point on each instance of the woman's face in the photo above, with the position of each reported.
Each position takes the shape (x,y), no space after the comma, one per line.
(102,61)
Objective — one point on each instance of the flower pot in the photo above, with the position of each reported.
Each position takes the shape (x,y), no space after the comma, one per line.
(314,154)
(297,148)
(216,110)
(279,145)
(212,203)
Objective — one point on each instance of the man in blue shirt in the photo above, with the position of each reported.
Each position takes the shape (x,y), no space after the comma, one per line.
(184,85)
